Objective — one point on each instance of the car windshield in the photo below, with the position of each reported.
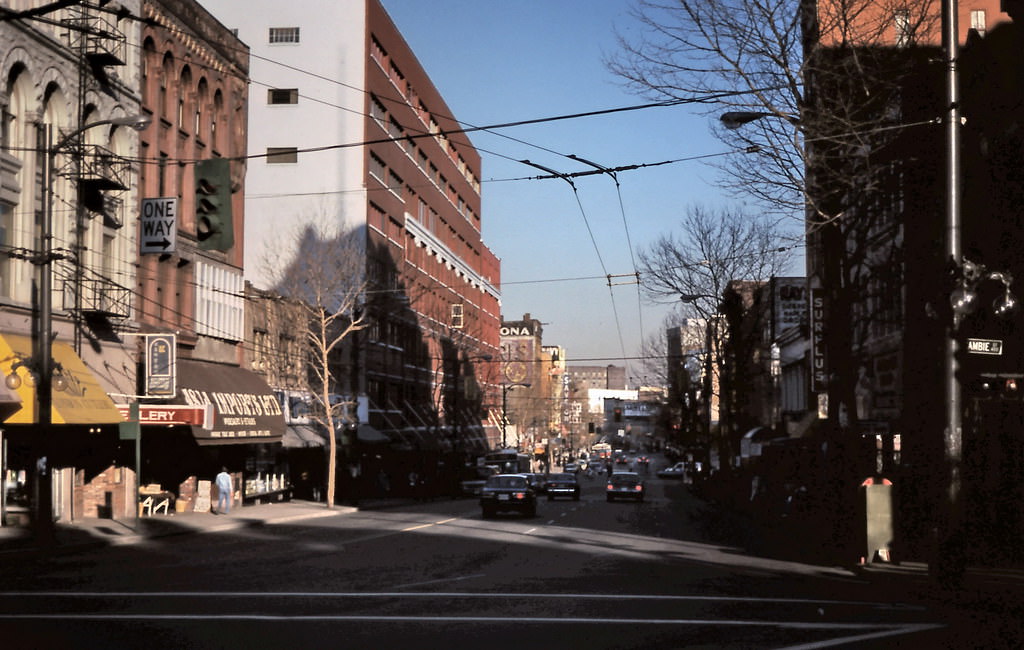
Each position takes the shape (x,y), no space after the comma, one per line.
(624,479)
(507,481)
(562,478)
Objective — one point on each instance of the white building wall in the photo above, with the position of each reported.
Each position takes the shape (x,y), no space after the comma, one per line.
(327,66)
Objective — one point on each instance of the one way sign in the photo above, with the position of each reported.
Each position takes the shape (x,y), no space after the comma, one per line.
(159,226)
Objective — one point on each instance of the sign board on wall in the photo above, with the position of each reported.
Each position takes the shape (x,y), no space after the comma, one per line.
(158,226)
(160,365)
(789,300)
(819,360)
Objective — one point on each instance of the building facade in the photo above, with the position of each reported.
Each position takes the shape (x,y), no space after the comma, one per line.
(387,159)
(68,164)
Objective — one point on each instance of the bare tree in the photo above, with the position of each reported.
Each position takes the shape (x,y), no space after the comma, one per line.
(826,78)
(696,265)
(324,273)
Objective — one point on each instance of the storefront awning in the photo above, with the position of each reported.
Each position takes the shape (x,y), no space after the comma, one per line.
(81,400)
(245,409)
(299,436)
(366,433)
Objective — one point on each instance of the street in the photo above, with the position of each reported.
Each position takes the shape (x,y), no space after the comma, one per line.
(585,573)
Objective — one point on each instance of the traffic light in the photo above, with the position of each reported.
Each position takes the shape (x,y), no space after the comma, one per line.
(214,227)
(618,414)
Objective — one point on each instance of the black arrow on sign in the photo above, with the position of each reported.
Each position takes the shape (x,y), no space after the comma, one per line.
(165,244)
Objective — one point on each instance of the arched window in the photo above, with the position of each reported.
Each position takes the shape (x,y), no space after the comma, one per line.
(199,128)
(216,120)
(167,77)
(185,99)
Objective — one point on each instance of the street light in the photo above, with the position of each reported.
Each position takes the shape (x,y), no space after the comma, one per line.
(505,388)
(733,120)
(44,338)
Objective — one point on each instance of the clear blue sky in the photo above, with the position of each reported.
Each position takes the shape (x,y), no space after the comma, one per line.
(509,60)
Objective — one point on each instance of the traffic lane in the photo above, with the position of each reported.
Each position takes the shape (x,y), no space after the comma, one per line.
(368,619)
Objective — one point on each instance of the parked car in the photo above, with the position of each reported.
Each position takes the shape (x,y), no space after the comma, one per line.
(563,485)
(508,493)
(675,471)
(570,467)
(625,485)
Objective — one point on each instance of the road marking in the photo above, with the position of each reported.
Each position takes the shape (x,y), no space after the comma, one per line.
(529,531)
(455,594)
(881,629)
(434,582)
(436,523)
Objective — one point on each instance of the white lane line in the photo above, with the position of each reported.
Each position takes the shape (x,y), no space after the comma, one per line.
(881,629)
(410,585)
(436,523)
(453,594)
(529,531)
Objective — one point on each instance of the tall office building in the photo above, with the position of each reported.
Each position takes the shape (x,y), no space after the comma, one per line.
(346,129)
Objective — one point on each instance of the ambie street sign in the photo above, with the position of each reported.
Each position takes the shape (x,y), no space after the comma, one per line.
(984,346)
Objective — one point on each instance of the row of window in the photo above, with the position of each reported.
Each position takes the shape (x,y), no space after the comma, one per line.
(380,56)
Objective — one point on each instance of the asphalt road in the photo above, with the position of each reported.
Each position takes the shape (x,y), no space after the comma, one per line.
(581,574)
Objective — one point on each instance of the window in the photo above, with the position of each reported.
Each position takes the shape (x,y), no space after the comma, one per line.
(283,96)
(457,316)
(219,302)
(377,110)
(978,21)
(903,30)
(377,169)
(395,184)
(377,51)
(6,241)
(284,34)
(279,155)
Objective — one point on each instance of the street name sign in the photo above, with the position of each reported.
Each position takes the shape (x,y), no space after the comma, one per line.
(159,226)
(985,346)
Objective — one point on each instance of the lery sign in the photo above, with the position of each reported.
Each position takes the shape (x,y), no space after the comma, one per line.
(159,226)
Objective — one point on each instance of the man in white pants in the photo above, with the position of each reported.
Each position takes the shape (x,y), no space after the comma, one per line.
(224,489)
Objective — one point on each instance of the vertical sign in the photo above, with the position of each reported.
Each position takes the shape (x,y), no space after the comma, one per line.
(160,357)
(819,360)
(159,226)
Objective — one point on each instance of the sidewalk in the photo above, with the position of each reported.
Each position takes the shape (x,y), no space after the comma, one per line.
(91,531)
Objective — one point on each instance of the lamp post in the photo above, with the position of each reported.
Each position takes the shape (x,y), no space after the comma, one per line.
(43,506)
(505,388)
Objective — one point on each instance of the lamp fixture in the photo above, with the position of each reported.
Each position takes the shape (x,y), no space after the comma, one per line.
(964,298)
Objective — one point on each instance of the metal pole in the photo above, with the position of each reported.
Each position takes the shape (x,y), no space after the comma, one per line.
(952,437)
(504,413)
(43,493)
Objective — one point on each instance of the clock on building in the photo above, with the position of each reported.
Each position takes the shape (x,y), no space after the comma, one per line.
(515,372)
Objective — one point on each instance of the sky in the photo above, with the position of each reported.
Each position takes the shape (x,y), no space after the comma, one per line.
(510,60)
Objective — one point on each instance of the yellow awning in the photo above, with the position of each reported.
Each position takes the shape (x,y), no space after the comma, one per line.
(82,400)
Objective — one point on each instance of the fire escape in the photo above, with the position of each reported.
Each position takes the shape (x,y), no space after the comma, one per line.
(98,174)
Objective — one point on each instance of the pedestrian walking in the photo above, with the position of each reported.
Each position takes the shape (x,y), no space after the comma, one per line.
(224,490)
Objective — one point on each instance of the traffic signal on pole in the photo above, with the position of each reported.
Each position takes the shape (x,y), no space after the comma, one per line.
(214,227)
(618,414)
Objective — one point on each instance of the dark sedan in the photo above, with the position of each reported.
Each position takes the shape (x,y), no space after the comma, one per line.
(625,485)
(508,493)
(563,485)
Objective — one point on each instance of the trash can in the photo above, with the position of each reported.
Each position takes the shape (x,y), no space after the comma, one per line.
(876,512)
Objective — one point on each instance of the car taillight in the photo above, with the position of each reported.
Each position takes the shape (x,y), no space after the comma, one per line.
(639,488)
(611,487)
(520,495)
